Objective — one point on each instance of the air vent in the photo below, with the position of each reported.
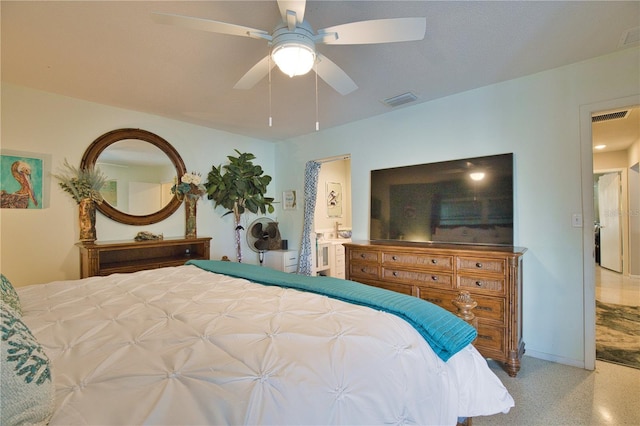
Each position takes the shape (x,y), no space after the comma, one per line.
(609,116)
(395,101)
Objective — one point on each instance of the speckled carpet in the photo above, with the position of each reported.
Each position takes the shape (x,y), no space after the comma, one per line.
(618,334)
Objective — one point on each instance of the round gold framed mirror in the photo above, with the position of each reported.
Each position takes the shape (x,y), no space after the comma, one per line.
(140,167)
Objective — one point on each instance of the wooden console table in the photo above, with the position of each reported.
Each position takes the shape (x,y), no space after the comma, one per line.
(108,257)
(492,275)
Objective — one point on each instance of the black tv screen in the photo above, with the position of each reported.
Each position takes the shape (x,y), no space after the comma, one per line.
(467,201)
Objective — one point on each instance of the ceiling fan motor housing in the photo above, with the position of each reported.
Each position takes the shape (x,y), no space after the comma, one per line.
(293,47)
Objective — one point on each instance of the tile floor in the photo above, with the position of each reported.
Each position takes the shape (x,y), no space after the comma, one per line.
(612,287)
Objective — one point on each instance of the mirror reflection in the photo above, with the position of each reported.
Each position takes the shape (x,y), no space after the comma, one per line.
(140,176)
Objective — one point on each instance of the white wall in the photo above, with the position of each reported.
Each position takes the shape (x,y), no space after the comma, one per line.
(38,245)
(535,117)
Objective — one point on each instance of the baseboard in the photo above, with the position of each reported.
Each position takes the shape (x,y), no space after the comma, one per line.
(554,358)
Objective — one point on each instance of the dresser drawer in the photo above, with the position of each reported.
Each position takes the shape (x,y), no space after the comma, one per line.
(365,271)
(490,340)
(397,287)
(417,260)
(363,255)
(432,279)
(491,309)
(495,266)
(479,284)
(444,299)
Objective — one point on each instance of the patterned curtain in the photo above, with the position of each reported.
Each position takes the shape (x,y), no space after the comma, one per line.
(311,172)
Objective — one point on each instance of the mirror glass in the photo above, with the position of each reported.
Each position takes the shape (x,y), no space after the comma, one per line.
(141,168)
(140,177)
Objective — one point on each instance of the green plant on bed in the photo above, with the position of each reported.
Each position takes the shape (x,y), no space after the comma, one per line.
(81,184)
(239,186)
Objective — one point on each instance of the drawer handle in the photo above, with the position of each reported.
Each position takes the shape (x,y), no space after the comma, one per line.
(434,261)
(394,257)
(478,265)
(434,278)
(394,273)
(484,308)
(362,255)
(363,270)
(484,337)
(479,283)
(436,301)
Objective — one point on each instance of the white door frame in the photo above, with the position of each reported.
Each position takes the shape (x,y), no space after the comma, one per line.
(588,243)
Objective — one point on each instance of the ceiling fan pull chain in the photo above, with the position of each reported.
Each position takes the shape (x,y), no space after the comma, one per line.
(317,122)
(270,116)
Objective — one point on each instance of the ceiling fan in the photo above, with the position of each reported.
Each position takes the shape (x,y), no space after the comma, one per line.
(293,42)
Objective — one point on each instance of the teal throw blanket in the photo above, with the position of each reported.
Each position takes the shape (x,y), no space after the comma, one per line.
(445,332)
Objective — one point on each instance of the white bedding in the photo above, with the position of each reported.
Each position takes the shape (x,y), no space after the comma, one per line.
(186,346)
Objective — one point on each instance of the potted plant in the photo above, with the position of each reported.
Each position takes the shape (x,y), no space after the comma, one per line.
(239,186)
(84,186)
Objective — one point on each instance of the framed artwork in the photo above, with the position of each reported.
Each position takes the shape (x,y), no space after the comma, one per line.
(334,199)
(289,201)
(24,180)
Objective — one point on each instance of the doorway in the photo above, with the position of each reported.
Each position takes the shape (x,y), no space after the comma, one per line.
(613,198)
(588,244)
(332,215)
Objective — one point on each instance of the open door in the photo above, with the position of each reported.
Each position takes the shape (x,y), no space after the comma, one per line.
(610,232)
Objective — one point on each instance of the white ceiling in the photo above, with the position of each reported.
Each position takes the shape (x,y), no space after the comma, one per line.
(113,53)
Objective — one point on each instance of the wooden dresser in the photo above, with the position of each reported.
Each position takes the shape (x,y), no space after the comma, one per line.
(438,272)
(108,257)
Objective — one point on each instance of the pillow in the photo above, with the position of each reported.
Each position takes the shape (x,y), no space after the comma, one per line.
(26,394)
(8,295)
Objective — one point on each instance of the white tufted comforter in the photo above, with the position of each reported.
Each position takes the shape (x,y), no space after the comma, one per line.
(183,346)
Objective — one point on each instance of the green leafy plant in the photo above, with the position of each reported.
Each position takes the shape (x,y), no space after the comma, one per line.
(239,186)
(82,183)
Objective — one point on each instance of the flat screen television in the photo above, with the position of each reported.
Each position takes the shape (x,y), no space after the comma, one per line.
(466,201)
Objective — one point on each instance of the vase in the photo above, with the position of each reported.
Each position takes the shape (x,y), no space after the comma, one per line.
(190,205)
(87,216)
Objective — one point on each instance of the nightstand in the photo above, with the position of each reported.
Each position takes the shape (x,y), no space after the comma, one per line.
(282,260)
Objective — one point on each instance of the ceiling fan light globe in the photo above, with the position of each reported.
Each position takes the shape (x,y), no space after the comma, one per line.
(294,58)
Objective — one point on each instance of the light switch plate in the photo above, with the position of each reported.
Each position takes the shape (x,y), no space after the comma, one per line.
(576,220)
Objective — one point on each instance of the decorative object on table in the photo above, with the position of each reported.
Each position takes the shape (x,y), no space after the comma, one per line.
(84,187)
(148,236)
(190,189)
(263,235)
(242,187)
(23,178)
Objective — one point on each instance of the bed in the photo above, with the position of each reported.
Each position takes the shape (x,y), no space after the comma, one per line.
(225,343)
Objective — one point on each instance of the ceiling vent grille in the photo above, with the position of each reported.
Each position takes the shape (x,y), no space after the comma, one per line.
(609,116)
(395,101)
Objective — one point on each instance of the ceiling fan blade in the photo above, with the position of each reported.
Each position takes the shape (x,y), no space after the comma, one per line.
(209,25)
(255,74)
(334,76)
(297,6)
(376,31)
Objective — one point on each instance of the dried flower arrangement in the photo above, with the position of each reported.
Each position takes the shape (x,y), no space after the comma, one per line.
(82,184)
